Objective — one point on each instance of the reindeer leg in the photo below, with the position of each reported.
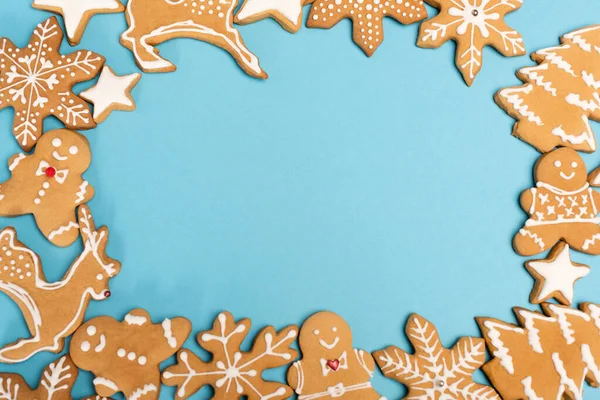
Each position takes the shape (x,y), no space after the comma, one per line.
(24,349)
(60,227)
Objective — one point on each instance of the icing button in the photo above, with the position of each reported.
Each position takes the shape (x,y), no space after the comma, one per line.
(50,172)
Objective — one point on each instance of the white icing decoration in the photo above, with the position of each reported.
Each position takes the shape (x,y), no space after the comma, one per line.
(135,319)
(81,193)
(501,352)
(533,337)
(91,330)
(101,345)
(291,10)
(85,346)
(142,391)
(563,322)
(528,390)
(106,382)
(166,325)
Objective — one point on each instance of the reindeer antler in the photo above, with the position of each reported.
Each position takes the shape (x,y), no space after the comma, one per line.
(95,241)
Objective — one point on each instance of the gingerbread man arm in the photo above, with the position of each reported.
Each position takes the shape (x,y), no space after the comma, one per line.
(15,160)
(526,200)
(596,198)
(293,376)
(369,361)
(84,193)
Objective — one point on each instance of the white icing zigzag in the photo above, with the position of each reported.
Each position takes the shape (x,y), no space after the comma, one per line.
(63,229)
(512,96)
(142,391)
(81,192)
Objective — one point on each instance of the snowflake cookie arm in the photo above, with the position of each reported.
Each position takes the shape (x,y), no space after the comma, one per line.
(506,40)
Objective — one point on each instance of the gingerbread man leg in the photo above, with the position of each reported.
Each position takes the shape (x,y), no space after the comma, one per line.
(530,241)
(584,238)
(60,227)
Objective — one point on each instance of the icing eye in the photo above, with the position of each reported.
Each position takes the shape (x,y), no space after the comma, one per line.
(56,142)
(557,163)
(99,277)
(73,150)
(574,164)
(316,332)
(334,329)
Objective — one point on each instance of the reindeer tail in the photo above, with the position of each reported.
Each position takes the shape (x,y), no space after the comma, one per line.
(19,266)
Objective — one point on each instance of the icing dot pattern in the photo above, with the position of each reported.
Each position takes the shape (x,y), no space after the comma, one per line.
(14,262)
(367,17)
(212,8)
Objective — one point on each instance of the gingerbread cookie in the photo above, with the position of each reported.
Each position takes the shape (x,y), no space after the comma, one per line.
(77,14)
(152,22)
(111,93)
(233,373)
(288,13)
(37,81)
(472,25)
(48,184)
(330,367)
(367,17)
(545,357)
(559,96)
(53,311)
(555,276)
(125,356)
(561,206)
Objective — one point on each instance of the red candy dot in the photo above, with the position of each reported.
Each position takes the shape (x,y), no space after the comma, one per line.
(107,294)
(50,172)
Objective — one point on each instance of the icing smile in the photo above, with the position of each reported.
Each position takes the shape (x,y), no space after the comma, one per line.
(567,177)
(327,345)
(58,156)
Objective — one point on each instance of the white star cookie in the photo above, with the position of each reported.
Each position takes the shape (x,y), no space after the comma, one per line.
(77,13)
(288,13)
(555,276)
(112,92)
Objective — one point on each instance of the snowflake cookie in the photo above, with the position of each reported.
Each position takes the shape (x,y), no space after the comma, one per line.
(56,383)
(560,95)
(53,311)
(367,17)
(49,185)
(330,366)
(472,24)
(546,356)
(555,276)
(37,81)
(561,206)
(152,22)
(125,356)
(76,13)
(288,13)
(234,373)
(434,372)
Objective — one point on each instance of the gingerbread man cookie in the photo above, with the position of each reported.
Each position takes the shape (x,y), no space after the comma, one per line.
(53,311)
(152,22)
(125,356)
(48,184)
(330,367)
(561,206)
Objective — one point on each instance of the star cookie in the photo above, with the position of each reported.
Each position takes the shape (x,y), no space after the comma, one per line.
(37,81)
(555,276)
(367,17)
(77,13)
(472,24)
(287,13)
(112,92)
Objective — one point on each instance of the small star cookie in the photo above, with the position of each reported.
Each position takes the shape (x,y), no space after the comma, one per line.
(367,17)
(112,92)
(555,276)
(472,24)
(287,13)
(77,13)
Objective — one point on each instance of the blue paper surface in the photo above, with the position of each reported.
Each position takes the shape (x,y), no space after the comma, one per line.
(370,187)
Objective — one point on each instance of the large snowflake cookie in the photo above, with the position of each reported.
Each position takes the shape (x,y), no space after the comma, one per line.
(472,24)
(367,17)
(560,95)
(561,206)
(37,81)
(49,185)
(546,356)
(125,356)
(152,22)
(77,13)
(435,372)
(330,367)
(288,13)
(233,373)
(53,311)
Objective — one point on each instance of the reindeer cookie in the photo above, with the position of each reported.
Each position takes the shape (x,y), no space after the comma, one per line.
(152,22)
(561,206)
(53,311)
(330,367)
(48,184)
(125,356)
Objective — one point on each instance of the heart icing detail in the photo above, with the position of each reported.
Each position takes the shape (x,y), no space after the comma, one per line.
(333,364)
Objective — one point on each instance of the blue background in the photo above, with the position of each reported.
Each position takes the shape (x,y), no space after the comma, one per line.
(371,187)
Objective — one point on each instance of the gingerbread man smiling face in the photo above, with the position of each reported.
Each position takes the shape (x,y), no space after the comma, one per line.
(563,169)
(331,367)
(48,184)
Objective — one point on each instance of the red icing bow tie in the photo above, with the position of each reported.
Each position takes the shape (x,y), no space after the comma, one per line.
(333,364)
(46,169)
